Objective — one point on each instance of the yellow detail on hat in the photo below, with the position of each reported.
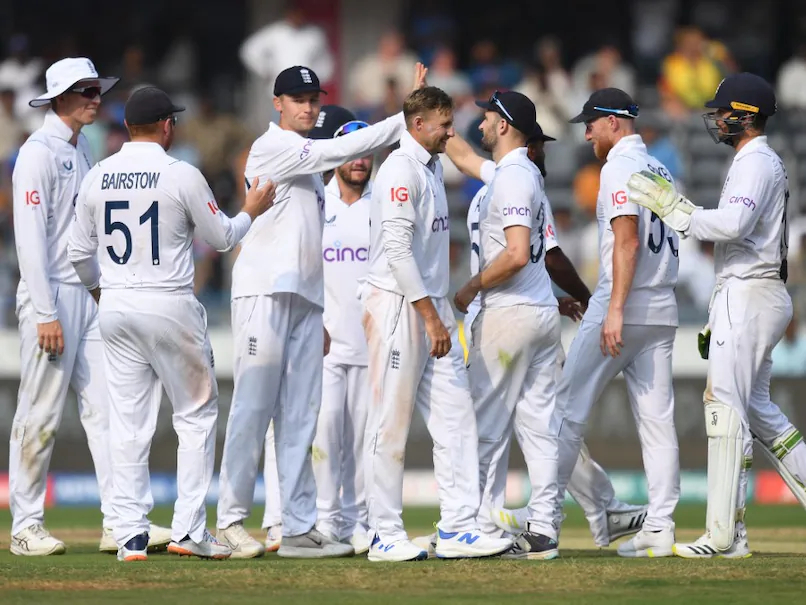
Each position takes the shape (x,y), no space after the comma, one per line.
(743,106)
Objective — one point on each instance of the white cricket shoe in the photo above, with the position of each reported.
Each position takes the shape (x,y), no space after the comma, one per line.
(396,552)
(624,523)
(467,544)
(428,544)
(274,536)
(313,545)
(704,549)
(359,542)
(511,520)
(208,548)
(158,539)
(36,541)
(135,549)
(650,544)
(242,544)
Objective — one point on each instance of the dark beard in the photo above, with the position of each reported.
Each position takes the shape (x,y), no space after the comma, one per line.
(487,145)
(348,179)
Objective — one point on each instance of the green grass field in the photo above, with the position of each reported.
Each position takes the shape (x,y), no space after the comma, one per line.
(583,574)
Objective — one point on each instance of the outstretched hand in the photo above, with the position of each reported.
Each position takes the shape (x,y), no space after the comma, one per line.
(420,73)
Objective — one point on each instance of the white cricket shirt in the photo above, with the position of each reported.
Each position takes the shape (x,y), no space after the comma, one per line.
(651,300)
(282,252)
(750,224)
(46,180)
(409,225)
(515,197)
(138,210)
(345,251)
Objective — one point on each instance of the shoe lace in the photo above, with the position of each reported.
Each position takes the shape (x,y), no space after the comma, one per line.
(240,533)
(208,537)
(40,532)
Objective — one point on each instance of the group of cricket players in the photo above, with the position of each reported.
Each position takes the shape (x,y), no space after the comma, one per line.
(342,324)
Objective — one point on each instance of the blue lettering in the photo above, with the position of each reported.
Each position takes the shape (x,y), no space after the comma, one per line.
(339,254)
(130,180)
(517,211)
(738,199)
(440,223)
(468,538)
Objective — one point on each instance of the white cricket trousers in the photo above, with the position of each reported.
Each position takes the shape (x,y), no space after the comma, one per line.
(279,342)
(40,402)
(747,319)
(646,362)
(154,340)
(338,455)
(512,368)
(402,375)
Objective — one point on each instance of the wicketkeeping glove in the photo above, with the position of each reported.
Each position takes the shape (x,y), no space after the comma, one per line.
(659,195)
(704,341)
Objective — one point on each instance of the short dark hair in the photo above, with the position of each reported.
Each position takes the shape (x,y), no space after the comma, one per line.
(429,98)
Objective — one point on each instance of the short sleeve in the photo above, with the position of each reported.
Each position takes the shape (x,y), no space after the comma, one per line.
(513,197)
(613,191)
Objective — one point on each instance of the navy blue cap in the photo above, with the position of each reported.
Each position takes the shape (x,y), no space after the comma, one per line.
(331,118)
(744,92)
(515,108)
(607,102)
(149,105)
(295,80)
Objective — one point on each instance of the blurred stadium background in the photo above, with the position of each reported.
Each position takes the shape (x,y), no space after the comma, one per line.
(219,58)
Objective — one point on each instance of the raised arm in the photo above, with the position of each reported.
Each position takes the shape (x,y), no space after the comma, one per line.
(466,160)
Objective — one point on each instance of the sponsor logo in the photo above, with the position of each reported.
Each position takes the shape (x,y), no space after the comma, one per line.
(212,206)
(68,165)
(619,198)
(331,220)
(714,418)
(549,231)
(345,254)
(32,198)
(306,149)
(400,194)
(440,223)
(517,211)
(738,199)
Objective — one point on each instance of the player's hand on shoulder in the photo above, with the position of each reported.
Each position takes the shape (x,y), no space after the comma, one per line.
(570,307)
(420,73)
(51,338)
(439,336)
(259,199)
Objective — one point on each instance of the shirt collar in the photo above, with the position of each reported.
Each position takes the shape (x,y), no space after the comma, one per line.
(411,147)
(752,145)
(54,125)
(142,146)
(516,156)
(631,141)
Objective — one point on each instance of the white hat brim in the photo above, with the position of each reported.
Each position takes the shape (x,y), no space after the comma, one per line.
(42,100)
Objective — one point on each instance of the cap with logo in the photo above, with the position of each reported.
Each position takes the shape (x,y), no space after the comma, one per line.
(744,92)
(296,80)
(607,102)
(516,109)
(149,105)
(331,118)
(65,74)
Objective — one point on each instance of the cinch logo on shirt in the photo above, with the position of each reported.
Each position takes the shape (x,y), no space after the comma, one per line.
(339,254)
(619,198)
(738,199)
(306,149)
(440,223)
(517,211)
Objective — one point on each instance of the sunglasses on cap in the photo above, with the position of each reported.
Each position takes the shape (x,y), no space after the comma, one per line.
(350,127)
(171,119)
(494,100)
(88,92)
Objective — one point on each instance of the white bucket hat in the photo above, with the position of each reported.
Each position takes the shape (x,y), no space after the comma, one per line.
(65,74)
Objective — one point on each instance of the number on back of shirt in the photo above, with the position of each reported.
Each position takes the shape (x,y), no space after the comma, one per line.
(656,244)
(150,216)
(541,221)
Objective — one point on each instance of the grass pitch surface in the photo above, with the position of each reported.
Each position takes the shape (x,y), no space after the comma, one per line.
(583,574)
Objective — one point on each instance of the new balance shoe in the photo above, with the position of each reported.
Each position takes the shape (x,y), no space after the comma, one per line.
(208,548)
(273,538)
(135,549)
(703,548)
(468,544)
(625,523)
(396,551)
(313,545)
(243,545)
(158,539)
(651,544)
(533,546)
(36,541)
(428,544)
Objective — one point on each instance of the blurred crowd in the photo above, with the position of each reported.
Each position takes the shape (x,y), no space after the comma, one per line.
(676,71)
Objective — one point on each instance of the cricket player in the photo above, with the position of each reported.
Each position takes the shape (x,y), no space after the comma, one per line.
(278,331)
(60,345)
(414,354)
(749,312)
(136,215)
(630,324)
(339,442)
(590,486)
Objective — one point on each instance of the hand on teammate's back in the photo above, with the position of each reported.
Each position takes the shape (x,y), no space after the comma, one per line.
(51,339)
(439,337)
(259,199)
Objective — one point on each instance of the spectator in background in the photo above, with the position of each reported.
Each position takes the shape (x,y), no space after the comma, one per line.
(22,73)
(443,74)
(10,129)
(789,355)
(607,63)
(660,145)
(586,193)
(288,42)
(791,91)
(689,75)
(488,70)
(374,76)
(548,85)
(696,271)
